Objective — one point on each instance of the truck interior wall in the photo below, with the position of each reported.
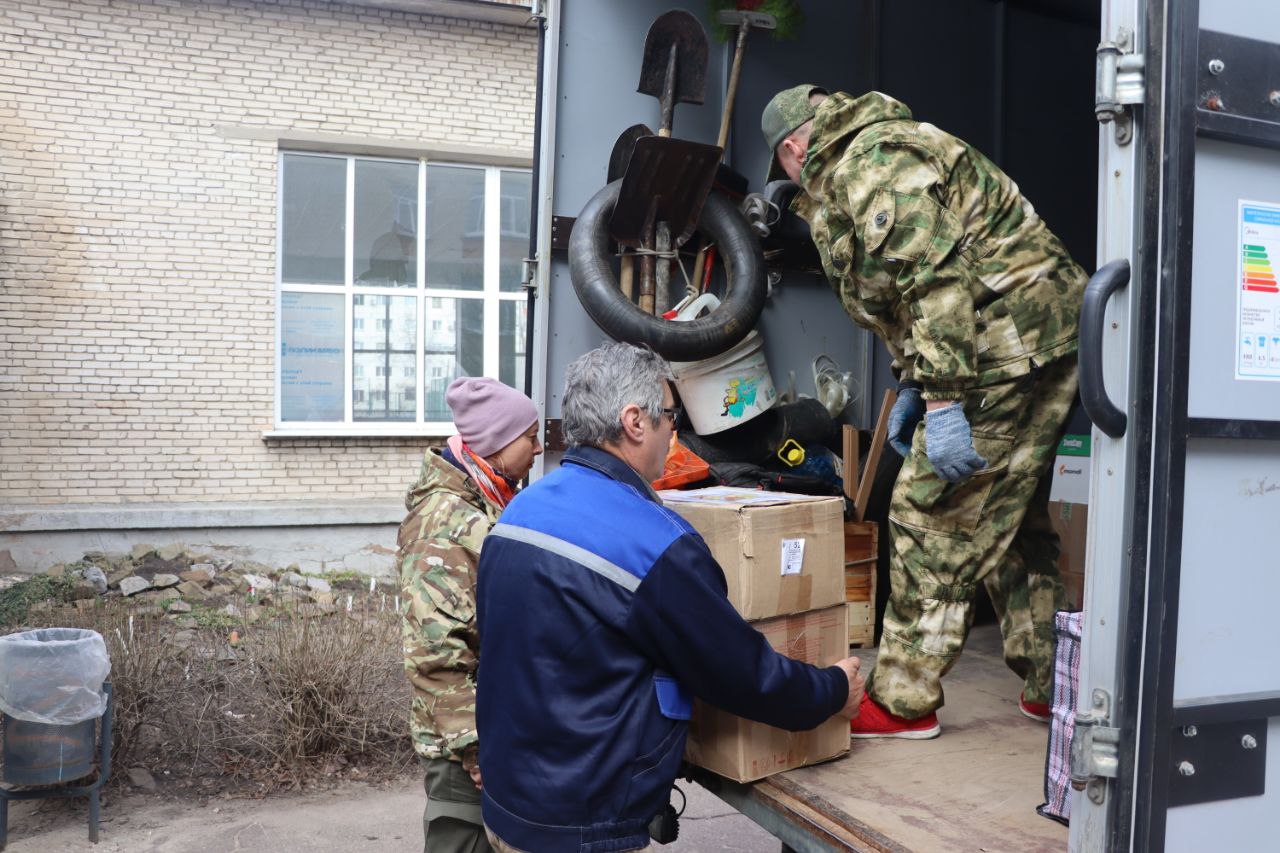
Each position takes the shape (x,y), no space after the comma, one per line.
(1013,78)
(1016,81)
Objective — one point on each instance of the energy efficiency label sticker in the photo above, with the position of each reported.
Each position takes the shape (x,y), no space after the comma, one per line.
(1258,292)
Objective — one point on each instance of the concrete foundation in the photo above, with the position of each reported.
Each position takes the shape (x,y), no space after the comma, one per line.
(312,536)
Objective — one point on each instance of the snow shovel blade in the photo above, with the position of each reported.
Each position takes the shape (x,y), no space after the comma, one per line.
(666,180)
(621,154)
(681,30)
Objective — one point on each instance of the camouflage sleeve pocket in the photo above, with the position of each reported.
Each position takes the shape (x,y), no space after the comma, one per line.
(436,579)
(454,602)
(899,226)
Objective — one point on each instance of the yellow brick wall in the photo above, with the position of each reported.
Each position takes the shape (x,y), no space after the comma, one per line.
(137,233)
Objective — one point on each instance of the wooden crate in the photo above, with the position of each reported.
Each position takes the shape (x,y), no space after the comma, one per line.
(860,555)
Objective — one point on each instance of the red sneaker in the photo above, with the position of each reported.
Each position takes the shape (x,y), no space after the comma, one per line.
(874,721)
(1038,711)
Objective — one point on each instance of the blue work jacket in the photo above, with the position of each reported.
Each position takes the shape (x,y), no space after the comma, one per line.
(601,614)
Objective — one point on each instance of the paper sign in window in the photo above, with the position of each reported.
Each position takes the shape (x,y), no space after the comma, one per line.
(792,556)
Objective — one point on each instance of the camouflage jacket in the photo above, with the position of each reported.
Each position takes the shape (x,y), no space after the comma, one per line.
(929,245)
(439,549)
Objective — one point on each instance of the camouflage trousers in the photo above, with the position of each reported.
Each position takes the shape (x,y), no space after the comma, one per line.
(992,529)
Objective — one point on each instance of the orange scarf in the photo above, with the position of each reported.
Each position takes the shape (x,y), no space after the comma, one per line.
(492,485)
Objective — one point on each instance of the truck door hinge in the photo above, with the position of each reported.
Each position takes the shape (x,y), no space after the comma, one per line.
(529,274)
(1095,749)
(1121,83)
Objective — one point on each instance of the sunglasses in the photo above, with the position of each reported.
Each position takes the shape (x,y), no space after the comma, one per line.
(674,412)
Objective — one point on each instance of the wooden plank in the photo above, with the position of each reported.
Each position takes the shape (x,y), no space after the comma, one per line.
(974,788)
(878,439)
(861,552)
(850,445)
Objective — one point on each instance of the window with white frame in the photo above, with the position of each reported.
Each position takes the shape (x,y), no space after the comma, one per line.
(381,308)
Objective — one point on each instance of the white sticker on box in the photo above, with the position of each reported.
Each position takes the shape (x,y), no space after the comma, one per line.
(792,556)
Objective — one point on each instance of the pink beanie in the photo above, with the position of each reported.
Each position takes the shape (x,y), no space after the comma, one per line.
(488,414)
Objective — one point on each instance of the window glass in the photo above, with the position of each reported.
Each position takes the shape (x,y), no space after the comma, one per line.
(512,315)
(517,190)
(384,367)
(386,223)
(454,347)
(406,345)
(311,362)
(314,218)
(455,227)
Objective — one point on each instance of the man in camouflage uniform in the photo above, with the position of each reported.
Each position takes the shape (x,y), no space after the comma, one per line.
(439,548)
(930,246)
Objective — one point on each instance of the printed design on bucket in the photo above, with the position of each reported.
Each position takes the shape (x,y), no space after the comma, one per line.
(739,394)
(729,389)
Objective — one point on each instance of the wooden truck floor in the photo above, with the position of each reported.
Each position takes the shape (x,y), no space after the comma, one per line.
(974,788)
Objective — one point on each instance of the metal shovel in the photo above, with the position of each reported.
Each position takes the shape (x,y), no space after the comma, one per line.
(666,180)
(618,159)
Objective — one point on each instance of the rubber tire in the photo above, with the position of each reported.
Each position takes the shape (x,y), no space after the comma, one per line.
(591,271)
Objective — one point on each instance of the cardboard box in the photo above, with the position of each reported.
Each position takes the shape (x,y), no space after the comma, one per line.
(1071,465)
(1071,521)
(861,553)
(781,553)
(743,750)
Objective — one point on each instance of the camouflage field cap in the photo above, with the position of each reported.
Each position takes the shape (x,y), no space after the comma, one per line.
(786,111)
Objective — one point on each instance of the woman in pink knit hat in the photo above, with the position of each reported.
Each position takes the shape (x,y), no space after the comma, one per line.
(461,491)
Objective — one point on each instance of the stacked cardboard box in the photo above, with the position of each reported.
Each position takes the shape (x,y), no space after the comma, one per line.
(1069,505)
(1071,521)
(783,559)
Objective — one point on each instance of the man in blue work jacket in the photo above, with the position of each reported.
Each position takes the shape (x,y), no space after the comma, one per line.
(601,615)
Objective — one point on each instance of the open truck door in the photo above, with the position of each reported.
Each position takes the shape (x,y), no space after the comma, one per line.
(1180,685)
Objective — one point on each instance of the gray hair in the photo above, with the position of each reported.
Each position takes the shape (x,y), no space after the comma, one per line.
(601,383)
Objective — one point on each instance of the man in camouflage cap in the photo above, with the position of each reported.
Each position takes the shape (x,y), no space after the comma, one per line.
(933,248)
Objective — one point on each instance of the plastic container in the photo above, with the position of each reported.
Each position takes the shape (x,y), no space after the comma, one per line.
(691,306)
(816,461)
(730,389)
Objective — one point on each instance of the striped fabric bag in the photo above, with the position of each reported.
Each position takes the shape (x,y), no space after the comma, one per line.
(1066,681)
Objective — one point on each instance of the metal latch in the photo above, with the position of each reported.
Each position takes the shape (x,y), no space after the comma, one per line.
(1095,749)
(529,274)
(1121,83)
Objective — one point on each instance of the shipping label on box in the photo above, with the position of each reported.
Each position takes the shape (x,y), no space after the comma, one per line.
(780,553)
(743,750)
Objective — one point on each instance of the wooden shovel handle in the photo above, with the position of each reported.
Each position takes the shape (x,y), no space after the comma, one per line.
(732,93)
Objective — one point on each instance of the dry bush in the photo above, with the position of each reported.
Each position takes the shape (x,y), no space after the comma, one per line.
(296,698)
(304,695)
(145,675)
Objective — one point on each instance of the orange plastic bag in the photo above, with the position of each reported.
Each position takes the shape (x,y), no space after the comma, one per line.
(682,468)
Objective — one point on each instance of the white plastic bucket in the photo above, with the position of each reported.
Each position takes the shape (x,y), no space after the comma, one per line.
(729,389)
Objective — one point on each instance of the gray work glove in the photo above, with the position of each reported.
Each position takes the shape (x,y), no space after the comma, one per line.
(905,416)
(949,443)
